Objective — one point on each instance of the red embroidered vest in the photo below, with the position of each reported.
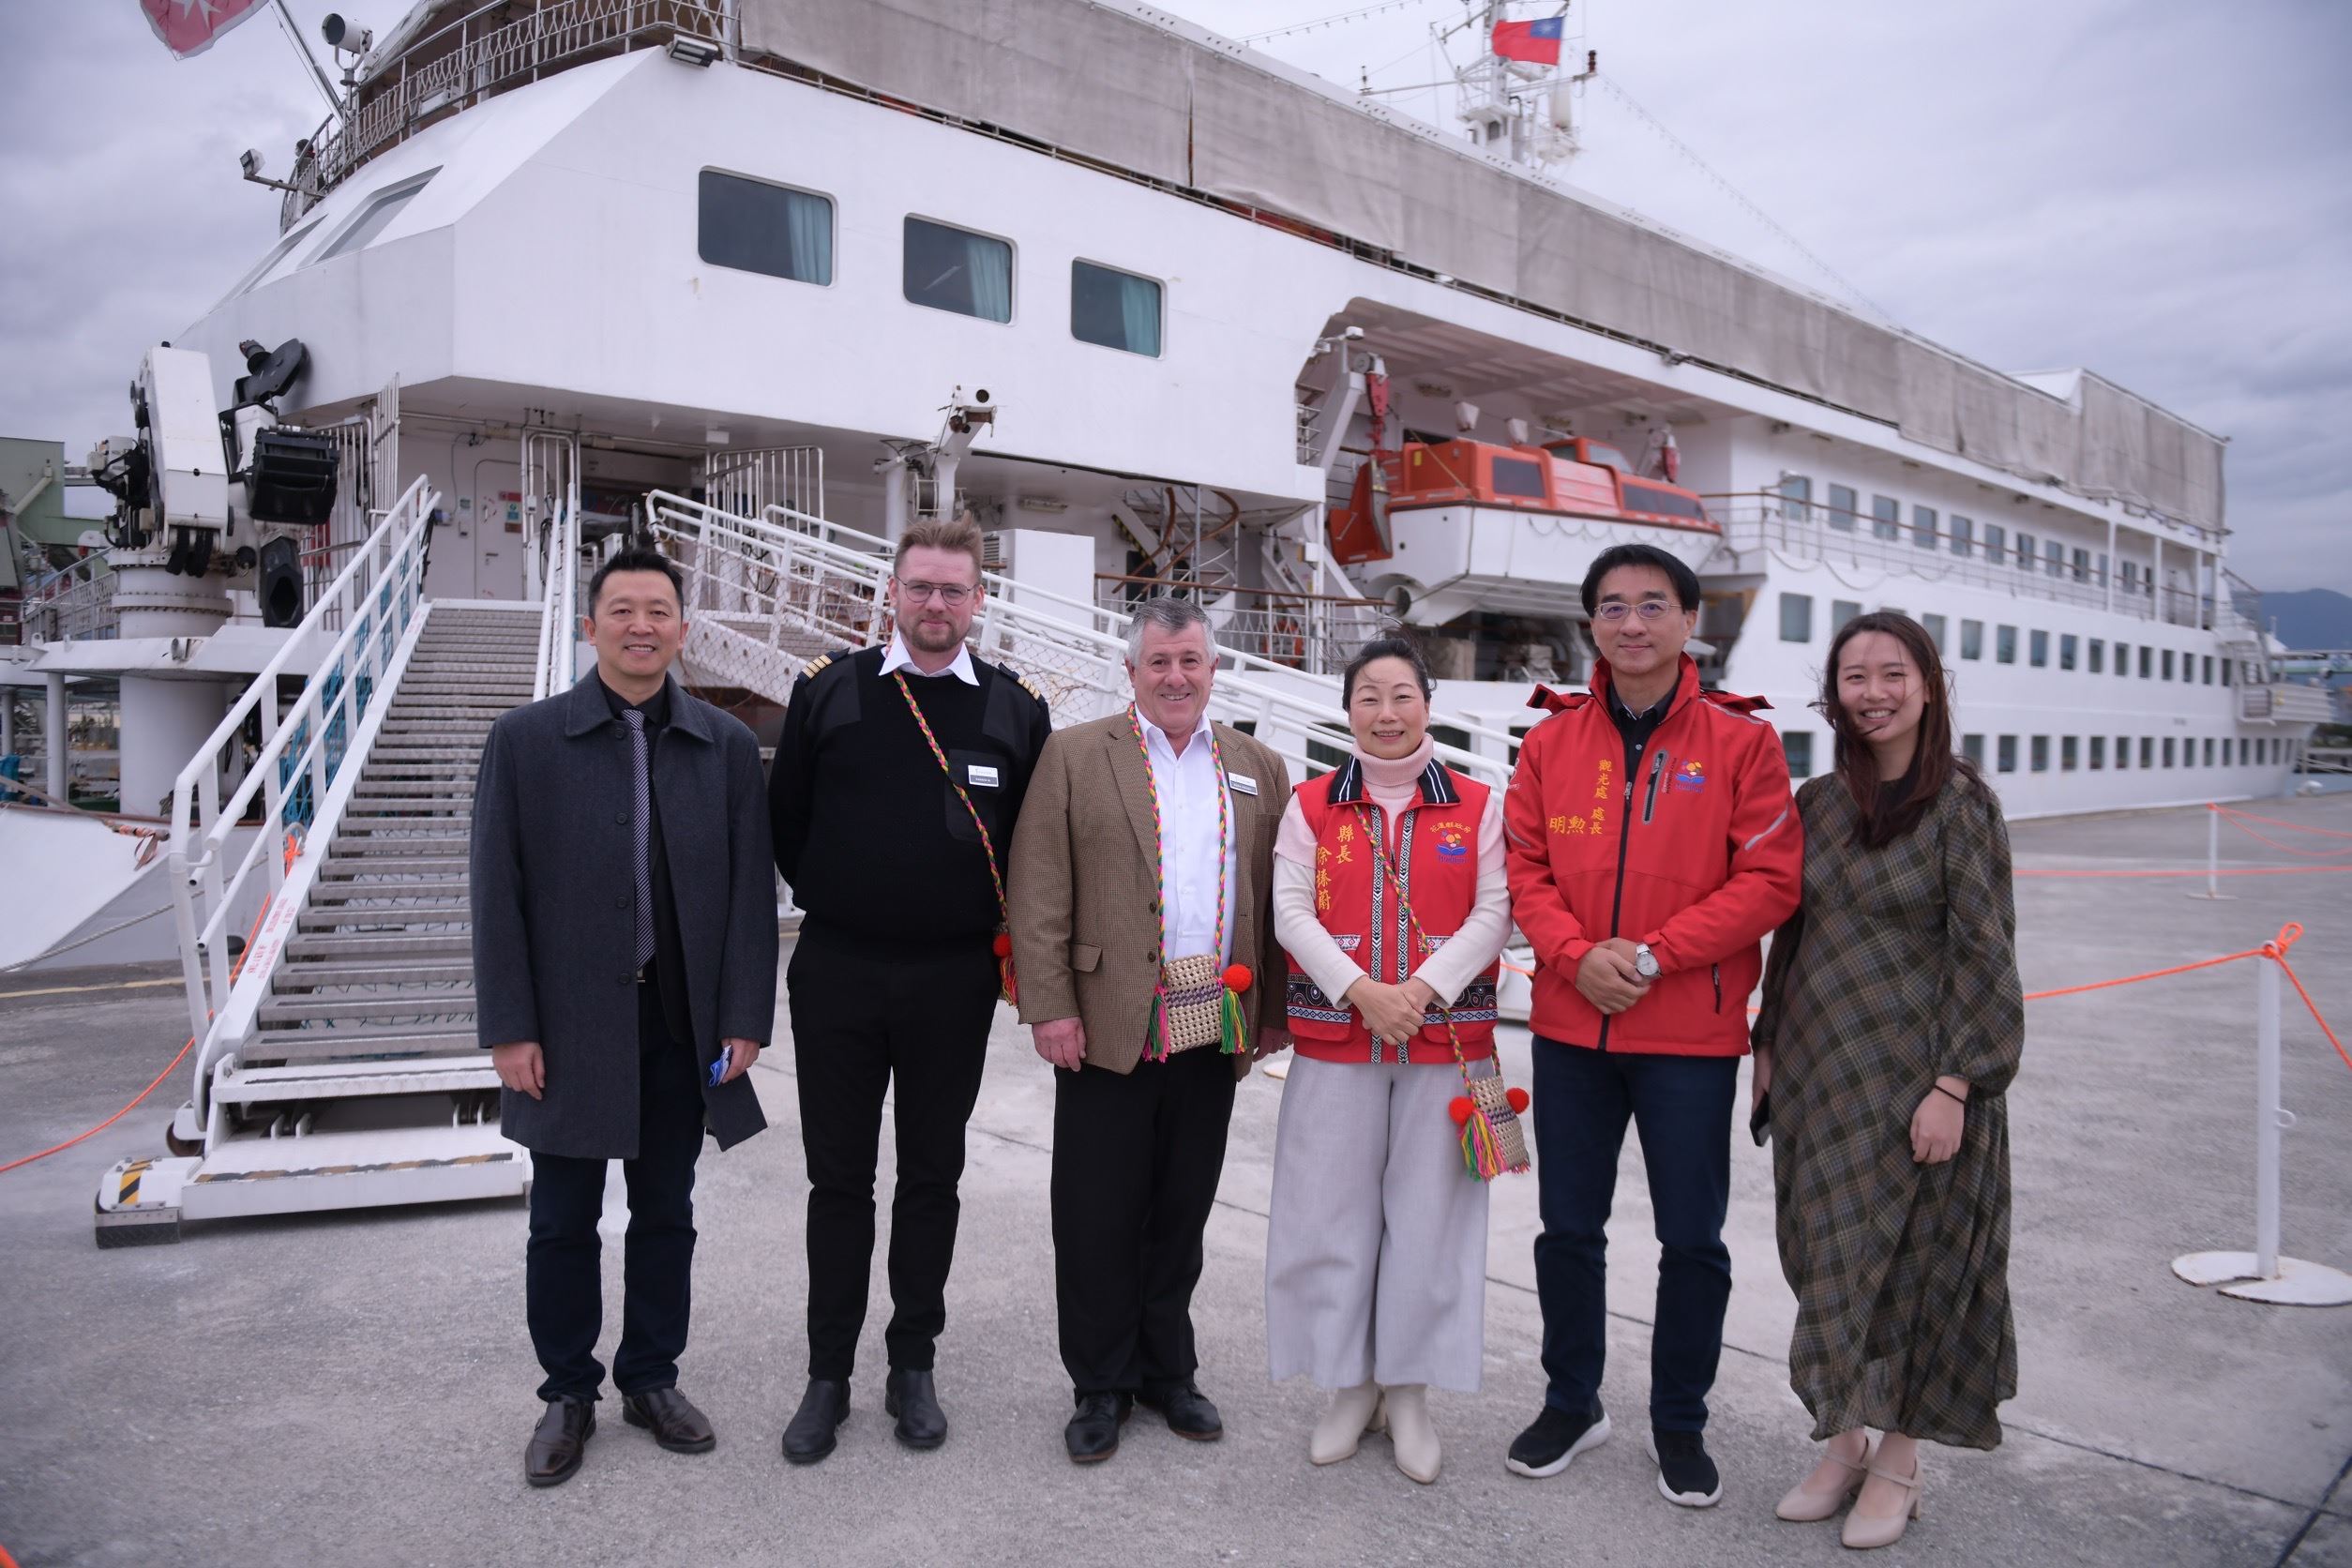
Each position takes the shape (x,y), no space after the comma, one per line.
(1435,851)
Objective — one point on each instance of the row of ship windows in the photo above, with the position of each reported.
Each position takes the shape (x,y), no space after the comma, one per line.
(756,226)
(1796,625)
(1956,532)
(2170,752)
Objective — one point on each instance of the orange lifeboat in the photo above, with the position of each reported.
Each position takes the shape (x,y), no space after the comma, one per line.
(1575,477)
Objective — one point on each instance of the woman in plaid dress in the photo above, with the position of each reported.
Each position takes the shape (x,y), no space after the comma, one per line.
(1891,1027)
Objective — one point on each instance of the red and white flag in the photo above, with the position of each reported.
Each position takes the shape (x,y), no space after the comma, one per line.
(189,27)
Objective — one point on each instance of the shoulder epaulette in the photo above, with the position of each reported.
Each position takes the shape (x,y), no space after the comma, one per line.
(817,666)
(1024,683)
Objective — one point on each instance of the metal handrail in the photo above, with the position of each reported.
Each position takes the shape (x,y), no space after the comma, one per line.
(373,599)
(1291,712)
(557,664)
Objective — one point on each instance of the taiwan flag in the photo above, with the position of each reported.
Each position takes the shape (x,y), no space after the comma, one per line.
(189,27)
(1536,42)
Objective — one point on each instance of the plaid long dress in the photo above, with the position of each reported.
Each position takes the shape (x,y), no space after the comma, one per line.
(1899,967)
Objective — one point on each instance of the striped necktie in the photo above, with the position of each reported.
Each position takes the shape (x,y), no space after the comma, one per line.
(643,800)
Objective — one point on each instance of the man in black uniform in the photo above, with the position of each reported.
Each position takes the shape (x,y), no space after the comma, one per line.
(897,781)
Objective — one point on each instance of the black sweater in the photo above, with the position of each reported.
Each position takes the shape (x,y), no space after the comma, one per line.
(873,840)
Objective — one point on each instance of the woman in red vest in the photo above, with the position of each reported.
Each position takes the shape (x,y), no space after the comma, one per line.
(1375,1251)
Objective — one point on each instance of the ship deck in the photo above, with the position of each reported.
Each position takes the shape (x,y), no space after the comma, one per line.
(355,1389)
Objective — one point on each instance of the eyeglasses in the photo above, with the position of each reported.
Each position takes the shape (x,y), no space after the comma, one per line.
(1616,610)
(952,595)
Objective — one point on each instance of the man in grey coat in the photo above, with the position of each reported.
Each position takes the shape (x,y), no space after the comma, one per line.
(624,954)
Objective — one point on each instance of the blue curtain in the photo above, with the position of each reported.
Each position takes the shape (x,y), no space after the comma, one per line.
(989,264)
(808,231)
(1140,313)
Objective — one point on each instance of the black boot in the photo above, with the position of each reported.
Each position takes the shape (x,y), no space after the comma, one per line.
(808,1437)
(909,1396)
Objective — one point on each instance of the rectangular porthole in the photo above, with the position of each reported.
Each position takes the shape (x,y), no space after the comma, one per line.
(1115,309)
(956,270)
(755,226)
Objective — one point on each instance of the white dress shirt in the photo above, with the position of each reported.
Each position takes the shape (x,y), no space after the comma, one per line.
(1189,790)
(898,659)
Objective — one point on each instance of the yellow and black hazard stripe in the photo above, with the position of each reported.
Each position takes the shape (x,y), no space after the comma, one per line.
(127,1191)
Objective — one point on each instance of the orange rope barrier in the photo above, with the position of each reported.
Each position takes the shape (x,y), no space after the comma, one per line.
(2277,822)
(2239,821)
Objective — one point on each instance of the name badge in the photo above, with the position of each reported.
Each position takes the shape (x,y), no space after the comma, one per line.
(1242,783)
(980,777)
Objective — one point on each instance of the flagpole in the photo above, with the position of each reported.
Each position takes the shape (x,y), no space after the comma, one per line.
(293,35)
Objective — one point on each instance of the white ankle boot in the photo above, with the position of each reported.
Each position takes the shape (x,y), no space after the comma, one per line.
(1411,1432)
(1353,1412)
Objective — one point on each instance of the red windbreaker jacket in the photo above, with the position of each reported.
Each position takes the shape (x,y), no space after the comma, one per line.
(1697,851)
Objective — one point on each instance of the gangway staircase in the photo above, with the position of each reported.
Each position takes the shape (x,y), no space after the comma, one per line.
(335,1059)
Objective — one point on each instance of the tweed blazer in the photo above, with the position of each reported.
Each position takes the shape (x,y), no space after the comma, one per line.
(1085,876)
(554,921)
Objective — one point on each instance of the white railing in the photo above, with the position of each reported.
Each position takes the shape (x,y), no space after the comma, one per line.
(374,603)
(803,576)
(72,604)
(558,663)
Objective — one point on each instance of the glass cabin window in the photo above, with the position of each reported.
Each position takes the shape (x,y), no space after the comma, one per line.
(753,226)
(2068,643)
(1116,310)
(2039,644)
(2041,753)
(2069,747)
(1971,639)
(2008,754)
(1842,504)
(1972,747)
(954,270)
(1841,611)
(2098,753)
(1796,497)
(373,219)
(1996,542)
(1934,626)
(1797,745)
(2098,655)
(1963,533)
(1923,527)
(2005,644)
(1886,516)
(2054,558)
(1796,617)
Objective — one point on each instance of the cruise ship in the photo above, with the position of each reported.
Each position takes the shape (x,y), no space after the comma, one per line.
(766,280)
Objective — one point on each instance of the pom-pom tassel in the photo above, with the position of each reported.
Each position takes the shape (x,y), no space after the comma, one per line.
(1233,1029)
(1008,989)
(1157,1039)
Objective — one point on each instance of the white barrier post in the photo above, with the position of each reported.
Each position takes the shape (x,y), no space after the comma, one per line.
(2262,1275)
(2212,855)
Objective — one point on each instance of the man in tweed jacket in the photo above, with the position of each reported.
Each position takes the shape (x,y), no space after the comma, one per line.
(1115,869)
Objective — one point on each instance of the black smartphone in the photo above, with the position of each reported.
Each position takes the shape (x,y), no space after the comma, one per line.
(1760,1120)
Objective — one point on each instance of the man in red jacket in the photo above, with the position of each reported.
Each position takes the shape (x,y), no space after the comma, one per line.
(1652,843)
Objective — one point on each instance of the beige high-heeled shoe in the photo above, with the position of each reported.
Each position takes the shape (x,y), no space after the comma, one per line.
(1864,1535)
(1353,1413)
(1410,1429)
(1801,1507)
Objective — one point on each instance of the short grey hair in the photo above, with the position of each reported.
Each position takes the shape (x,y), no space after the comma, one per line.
(1171,614)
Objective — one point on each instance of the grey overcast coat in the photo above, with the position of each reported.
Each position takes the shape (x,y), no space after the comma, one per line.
(554,910)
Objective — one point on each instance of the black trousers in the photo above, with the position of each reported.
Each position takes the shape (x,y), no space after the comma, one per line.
(563,1281)
(1136,1161)
(869,1020)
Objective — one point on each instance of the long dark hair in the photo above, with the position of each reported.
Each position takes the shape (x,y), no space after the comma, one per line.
(1391,644)
(1933,764)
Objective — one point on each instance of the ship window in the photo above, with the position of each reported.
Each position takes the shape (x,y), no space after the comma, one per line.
(1841,611)
(1886,516)
(2099,573)
(1996,542)
(2098,752)
(1638,497)
(2168,752)
(753,226)
(1606,455)
(2041,753)
(1524,478)
(2082,565)
(1797,745)
(1796,617)
(2226,665)
(2209,670)
(2025,553)
(2008,754)
(2039,644)
(2068,643)
(1796,497)
(2146,653)
(1116,310)
(2069,754)
(373,219)
(1935,628)
(2098,655)
(2005,644)
(1971,639)
(2168,664)
(2147,751)
(1923,527)
(2209,751)
(276,254)
(1842,504)
(1963,533)
(954,270)
(2054,557)
(2123,658)
(2123,751)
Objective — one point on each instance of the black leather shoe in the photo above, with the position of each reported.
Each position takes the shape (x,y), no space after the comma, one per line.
(671,1418)
(1093,1435)
(1188,1412)
(808,1437)
(909,1396)
(559,1441)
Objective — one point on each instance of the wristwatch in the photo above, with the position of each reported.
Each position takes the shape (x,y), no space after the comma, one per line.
(1645,961)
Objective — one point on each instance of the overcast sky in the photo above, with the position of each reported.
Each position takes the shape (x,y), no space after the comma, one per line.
(2160,190)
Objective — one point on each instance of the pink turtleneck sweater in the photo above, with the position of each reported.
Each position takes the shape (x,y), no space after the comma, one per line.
(1392,787)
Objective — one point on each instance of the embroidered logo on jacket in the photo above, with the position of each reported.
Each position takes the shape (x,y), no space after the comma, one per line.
(1690,779)
(1453,843)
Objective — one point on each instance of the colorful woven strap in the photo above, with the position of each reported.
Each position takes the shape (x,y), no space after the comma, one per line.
(1236,1035)
(1386,869)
